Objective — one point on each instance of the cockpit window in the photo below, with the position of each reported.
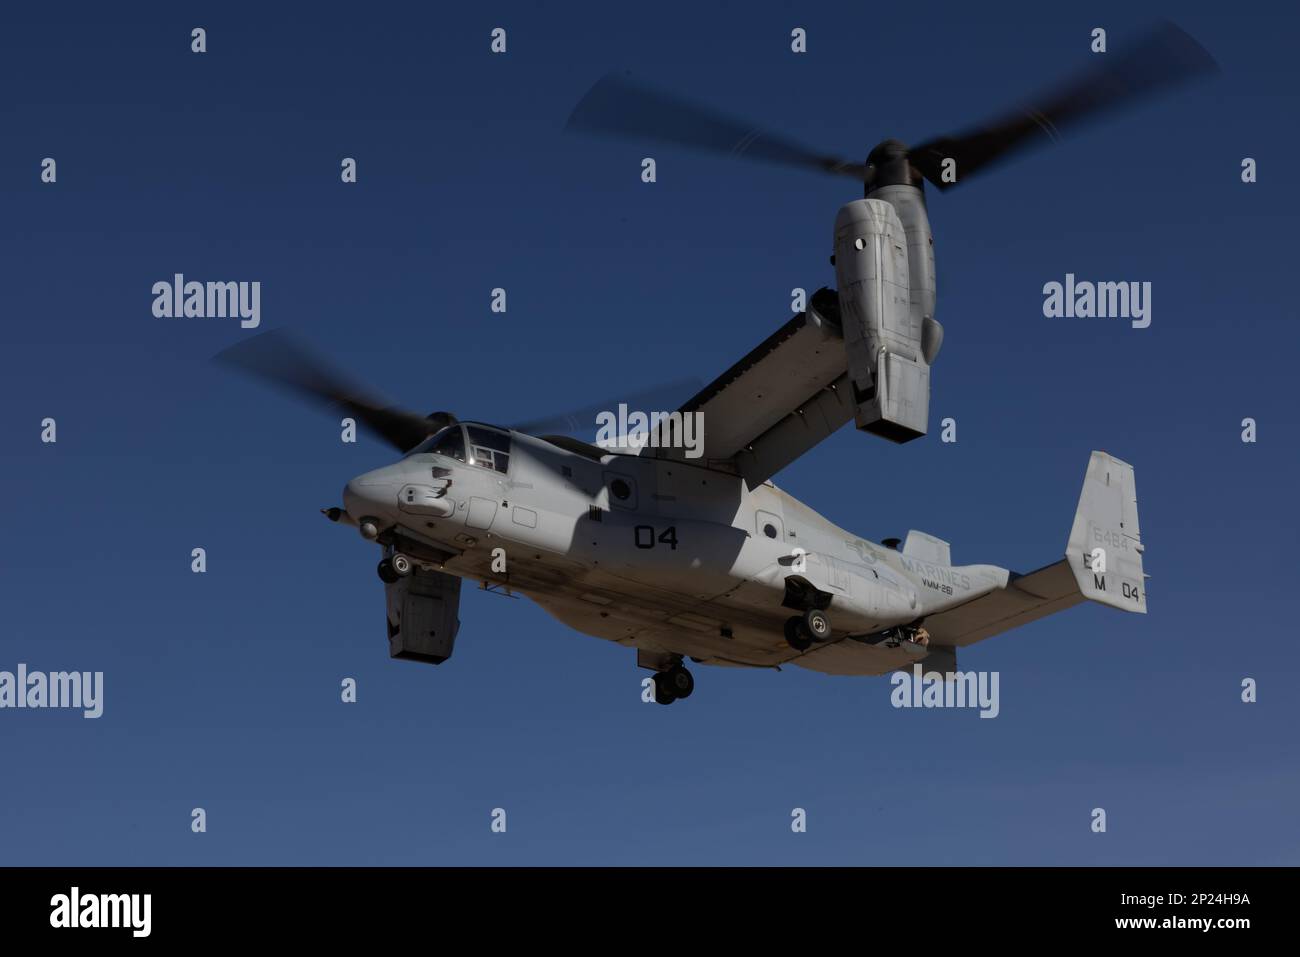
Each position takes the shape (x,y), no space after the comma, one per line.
(449,442)
(488,448)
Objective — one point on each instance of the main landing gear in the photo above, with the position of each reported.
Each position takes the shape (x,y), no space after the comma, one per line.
(802,630)
(672,684)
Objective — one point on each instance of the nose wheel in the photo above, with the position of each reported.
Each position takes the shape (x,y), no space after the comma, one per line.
(673,684)
(394,567)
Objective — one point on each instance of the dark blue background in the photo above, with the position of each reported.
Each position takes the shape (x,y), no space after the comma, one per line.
(222,690)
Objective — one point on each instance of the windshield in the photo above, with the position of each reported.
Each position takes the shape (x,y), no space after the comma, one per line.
(449,442)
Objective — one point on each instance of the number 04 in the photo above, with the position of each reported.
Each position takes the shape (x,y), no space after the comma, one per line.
(645,537)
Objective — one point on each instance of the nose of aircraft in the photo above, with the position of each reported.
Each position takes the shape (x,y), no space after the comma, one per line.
(374,494)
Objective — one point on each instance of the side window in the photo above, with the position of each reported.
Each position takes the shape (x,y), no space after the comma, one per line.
(769,525)
(621,490)
(484,458)
(489,449)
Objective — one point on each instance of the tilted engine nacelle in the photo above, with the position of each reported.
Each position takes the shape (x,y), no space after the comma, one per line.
(423,616)
(884,267)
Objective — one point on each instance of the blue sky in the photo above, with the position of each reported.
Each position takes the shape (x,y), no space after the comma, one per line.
(222,689)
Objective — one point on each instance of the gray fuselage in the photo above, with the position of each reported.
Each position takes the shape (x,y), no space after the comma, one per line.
(655,553)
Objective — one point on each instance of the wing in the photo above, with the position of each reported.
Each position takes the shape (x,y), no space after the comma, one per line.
(1026,598)
(781,399)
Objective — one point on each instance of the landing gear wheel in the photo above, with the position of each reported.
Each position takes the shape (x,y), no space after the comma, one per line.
(387,574)
(816,625)
(663,688)
(794,634)
(401,564)
(680,681)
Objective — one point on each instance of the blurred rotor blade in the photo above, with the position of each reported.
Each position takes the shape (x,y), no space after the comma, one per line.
(277,358)
(661,398)
(619,107)
(1163,58)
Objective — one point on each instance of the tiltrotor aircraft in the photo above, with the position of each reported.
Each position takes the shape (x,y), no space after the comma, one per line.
(683,558)
(700,556)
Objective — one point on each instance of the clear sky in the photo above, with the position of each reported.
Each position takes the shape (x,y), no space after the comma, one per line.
(222,689)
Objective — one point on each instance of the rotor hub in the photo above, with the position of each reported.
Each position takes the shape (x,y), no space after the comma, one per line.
(889,164)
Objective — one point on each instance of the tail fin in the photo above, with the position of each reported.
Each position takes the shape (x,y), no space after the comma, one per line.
(1105,547)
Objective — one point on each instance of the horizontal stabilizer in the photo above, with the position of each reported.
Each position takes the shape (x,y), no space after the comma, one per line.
(1026,598)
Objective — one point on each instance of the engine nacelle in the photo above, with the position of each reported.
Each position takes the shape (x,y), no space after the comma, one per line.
(884,267)
(423,610)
